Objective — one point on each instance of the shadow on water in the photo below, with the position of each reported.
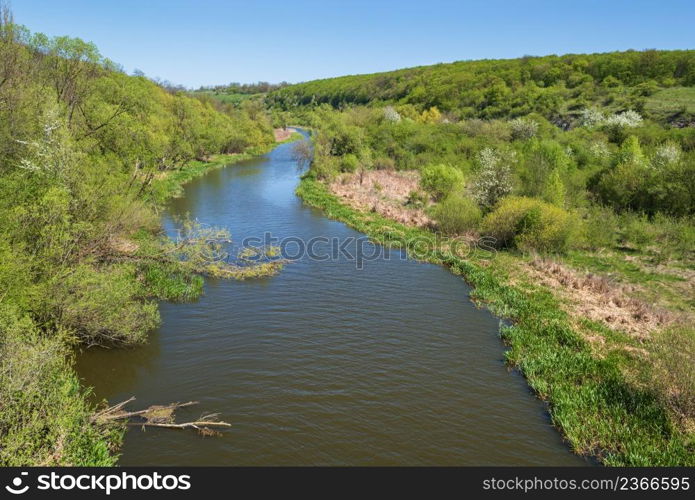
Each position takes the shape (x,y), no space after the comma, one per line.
(324,364)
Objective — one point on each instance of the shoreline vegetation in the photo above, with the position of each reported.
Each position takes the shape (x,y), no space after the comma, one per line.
(88,155)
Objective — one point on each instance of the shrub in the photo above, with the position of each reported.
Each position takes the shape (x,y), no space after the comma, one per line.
(554,189)
(104,307)
(600,228)
(384,163)
(45,416)
(665,155)
(523,129)
(416,199)
(530,224)
(391,115)
(440,180)
(636,231)
(456,214)
(494,180)
(676,235)
(349,163)
(627,118)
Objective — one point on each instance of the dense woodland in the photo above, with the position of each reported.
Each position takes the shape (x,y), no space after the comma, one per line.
(84,153)
(557,87)
(578,167)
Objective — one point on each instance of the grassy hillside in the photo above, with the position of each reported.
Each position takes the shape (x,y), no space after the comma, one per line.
(86,153)
(554,86)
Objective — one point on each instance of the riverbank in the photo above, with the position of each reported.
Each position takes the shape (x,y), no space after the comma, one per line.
(598,409)
(287,134)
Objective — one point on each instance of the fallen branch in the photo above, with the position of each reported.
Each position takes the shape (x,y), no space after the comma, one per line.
(159,416)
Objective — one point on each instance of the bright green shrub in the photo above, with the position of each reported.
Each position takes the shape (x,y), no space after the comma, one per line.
(637,231)
(530,224)
(440,180)
(456,214)
(103,307)
(349,163)
(599,228)
(554,190)
(44,413)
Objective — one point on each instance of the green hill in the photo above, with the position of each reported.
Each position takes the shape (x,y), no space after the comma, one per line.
(554,86)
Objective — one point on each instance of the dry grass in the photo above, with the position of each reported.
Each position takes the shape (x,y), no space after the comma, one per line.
(385,192)
(282,134)
(600,299)
(121,245)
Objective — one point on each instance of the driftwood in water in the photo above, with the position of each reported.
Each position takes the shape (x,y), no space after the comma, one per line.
(159,416)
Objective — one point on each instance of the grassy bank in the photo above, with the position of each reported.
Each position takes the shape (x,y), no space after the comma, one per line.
(598,410)
(172,183)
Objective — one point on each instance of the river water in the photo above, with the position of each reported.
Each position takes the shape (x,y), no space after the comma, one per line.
(325,363)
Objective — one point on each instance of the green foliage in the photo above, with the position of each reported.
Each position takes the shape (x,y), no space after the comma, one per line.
(86,155)
(554,190)
(44,414)
(494,179)
(599,228)
(675,104)
(456,214)
(349,163)
(440,180)
(169,281)
(550,85)
(667,185)
(671,370)
(102,307)
(530,224)
(598,172)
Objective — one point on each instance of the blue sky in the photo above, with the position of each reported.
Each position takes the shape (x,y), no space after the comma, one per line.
(194,42)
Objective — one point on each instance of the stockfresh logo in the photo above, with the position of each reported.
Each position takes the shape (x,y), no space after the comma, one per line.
(18,487)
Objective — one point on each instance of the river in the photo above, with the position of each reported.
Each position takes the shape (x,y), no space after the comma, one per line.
(325,363)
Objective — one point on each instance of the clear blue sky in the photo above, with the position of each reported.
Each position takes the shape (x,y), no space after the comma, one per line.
(194,42)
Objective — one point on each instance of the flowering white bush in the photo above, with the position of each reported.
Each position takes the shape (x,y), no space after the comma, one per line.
(594,118)
(51,153)
(591,117)
(627,118)
(523,129)
(494,180)
(665,155)
(391,115)
(599,149)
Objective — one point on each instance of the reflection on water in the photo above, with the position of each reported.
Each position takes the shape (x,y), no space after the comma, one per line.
(324,363)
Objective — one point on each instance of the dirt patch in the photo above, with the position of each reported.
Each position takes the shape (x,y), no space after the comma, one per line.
(385,192)
(282,134)
(599,299)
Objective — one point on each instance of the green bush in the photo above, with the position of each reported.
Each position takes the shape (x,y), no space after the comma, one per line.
(384,163)
(103,306)
(530,224)
(44,413)
(456,214)
(599,228)
(636,231)
(440,180)
(349,163)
